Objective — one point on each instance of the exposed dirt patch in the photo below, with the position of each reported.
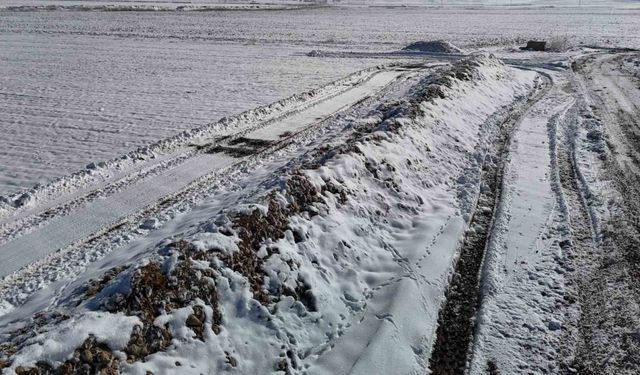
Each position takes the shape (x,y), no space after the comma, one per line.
(196,321)
(240,147)
(231,360)
(254,228)
(237,152)
(257,143)
(93,287)
(492,368)
(456,318)
(16,340)
(91,357)
(152,292)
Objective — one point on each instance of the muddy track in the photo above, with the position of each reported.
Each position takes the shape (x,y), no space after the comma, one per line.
(604,294)
(578,248)
(626,181)
(456,320)
(600,301)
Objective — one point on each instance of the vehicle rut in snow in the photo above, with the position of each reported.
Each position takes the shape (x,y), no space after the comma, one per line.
(579,242)
(456,320)
(604,289)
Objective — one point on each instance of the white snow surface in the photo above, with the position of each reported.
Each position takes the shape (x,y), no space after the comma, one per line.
(64,104)
(523,275)
(396,331)
(144,159)
(63,231)
(377,264)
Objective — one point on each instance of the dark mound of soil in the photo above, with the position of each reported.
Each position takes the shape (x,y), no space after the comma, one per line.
(435,46)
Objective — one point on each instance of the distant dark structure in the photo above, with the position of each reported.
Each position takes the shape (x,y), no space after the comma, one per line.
(533,45)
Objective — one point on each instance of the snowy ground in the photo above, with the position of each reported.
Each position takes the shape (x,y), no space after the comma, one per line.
(409,251)
(148,6)
(81,87)
(442,214)
(68,100)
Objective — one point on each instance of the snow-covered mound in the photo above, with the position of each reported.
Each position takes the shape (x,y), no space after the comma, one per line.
(433,46)
(319,272)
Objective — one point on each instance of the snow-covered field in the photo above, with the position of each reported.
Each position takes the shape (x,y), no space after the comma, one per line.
(81,87)
(460,207)
(69,100)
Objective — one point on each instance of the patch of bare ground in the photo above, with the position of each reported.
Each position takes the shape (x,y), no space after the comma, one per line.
(240,147)
(492,368)
(94,286)
(250,142)
(237,152)
(154,292)
(91,357)
(17,340)
(254,228)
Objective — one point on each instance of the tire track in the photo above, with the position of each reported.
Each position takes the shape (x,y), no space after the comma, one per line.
(578,247)
(603,293)
(456,320)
